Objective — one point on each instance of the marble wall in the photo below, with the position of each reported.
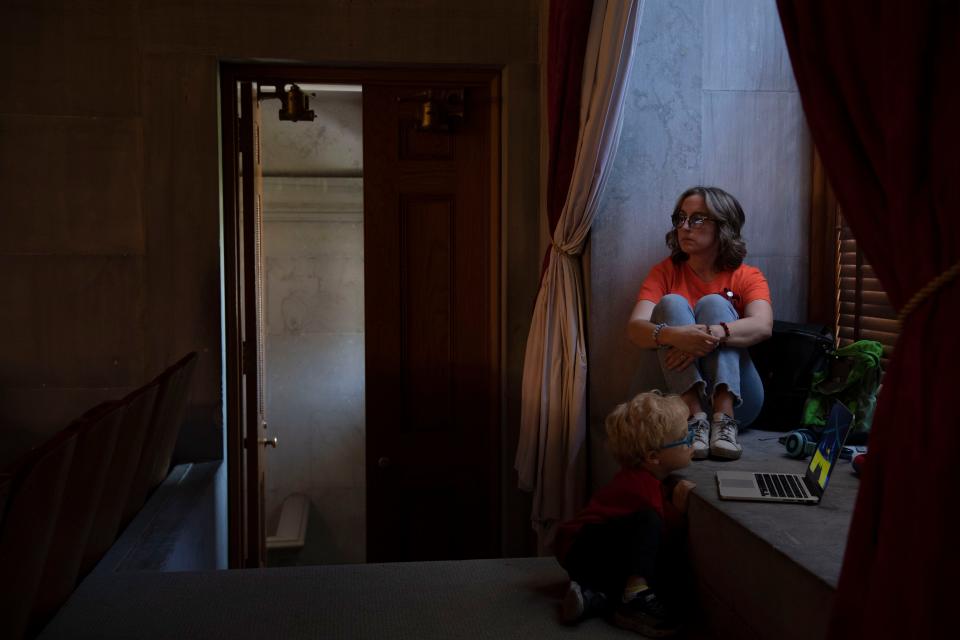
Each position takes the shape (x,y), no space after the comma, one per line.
(712,100)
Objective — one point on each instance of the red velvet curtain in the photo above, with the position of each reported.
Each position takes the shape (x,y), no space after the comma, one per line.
(879,84)
(569,26)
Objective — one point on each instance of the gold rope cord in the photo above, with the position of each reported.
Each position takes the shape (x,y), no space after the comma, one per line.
(927,291)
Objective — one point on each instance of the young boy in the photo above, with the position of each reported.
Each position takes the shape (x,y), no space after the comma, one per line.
(610,548)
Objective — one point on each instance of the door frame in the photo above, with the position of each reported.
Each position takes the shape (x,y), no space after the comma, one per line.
(268,73)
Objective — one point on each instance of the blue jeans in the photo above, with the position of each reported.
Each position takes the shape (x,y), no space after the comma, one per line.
(731,366)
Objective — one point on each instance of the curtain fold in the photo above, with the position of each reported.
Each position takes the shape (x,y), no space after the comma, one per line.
(569,28)
(878,84)
(551,454)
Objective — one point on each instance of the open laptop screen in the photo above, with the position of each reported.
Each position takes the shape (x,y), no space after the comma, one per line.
(828,450)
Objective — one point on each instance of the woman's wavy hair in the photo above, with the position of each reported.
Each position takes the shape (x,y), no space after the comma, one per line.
(729,216)
(641,426)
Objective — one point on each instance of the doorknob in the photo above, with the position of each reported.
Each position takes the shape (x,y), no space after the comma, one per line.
(383,462)
(268,442)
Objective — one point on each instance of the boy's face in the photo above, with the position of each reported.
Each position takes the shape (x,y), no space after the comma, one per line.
(678,456)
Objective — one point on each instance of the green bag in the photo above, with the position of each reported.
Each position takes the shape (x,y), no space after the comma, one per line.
(851,376)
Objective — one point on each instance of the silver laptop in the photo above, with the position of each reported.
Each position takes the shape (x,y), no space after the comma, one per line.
(793,487)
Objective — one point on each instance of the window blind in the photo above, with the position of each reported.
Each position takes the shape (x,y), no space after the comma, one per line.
(863,311)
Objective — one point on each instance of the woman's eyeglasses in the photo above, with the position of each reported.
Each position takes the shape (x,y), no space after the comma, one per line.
(683,442)
(695,221)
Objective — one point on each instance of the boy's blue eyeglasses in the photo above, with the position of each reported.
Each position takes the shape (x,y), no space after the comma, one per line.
(686,442)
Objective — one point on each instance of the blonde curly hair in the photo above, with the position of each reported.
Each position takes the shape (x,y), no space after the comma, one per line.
(641,425)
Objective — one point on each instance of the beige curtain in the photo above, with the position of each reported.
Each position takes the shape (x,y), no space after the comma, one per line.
(551,454)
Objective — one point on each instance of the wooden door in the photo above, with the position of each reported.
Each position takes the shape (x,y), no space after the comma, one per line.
(432,324)
(252,328)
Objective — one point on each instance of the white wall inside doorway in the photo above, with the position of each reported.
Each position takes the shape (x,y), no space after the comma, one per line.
(313,254)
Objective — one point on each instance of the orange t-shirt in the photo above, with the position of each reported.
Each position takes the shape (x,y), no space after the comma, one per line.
(745,282)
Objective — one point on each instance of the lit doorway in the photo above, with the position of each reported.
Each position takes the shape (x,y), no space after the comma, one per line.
(429,346)
(314,328)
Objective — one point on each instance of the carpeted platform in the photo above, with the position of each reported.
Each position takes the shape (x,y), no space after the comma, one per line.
(481,599)
(764,571)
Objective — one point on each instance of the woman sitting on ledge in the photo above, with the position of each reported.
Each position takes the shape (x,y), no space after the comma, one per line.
(701,308)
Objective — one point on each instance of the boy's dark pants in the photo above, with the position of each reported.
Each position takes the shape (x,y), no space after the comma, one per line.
(605,554)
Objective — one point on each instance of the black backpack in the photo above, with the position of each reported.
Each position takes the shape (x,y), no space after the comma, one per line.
(786,364)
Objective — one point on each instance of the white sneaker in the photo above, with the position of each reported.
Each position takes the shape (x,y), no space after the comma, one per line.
(701,435)
(580,603)
(723,438)
(573,606)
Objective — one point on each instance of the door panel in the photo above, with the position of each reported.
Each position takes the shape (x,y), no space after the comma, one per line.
(432,337)
(252,327)
(426,249)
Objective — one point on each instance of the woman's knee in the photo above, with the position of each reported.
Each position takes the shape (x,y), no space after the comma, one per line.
(714,308)
(672,309)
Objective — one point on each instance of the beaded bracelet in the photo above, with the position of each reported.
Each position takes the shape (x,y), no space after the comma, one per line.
(656,334)
(726,331)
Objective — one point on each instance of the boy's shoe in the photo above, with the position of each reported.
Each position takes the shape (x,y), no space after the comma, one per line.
(581,603)
(645,614)
(723,438)
(701,437)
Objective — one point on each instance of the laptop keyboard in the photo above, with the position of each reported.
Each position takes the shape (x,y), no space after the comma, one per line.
(780,485)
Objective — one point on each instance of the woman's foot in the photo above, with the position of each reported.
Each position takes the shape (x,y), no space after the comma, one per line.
(700,426)
(723,437)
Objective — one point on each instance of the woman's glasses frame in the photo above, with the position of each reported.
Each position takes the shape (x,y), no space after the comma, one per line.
(694,221)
